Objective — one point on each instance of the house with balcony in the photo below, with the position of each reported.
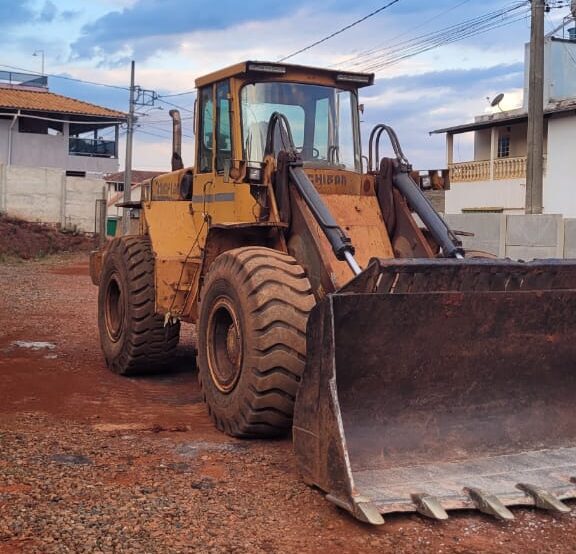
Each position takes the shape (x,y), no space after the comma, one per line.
(54,152)
(495,179)
(39,128)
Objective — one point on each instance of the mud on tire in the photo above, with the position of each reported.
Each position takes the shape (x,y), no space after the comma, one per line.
(132,336)
(252,340)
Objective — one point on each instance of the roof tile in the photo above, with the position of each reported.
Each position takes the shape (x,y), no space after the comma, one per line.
(45,101)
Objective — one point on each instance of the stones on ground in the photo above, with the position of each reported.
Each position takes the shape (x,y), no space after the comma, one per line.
(34,345)
(70,459)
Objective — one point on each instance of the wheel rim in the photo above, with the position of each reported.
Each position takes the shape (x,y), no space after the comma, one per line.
(224,345)
(114,311)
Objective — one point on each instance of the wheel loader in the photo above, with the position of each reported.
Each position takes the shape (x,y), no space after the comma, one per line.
(333,302)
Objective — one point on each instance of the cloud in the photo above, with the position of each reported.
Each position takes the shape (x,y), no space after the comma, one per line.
(417,104)
(153,25)
(69,15)
(147,27)
(461,79)
(48,12)
(15,12)
(107,97)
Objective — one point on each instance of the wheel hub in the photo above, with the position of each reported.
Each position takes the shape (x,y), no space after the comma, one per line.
(224,345)
(114,311)
(232,344)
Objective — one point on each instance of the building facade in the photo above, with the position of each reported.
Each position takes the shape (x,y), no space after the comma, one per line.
(41,129)
(54,152)
(495,180)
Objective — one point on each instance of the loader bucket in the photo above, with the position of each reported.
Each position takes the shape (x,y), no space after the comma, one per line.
(436,385)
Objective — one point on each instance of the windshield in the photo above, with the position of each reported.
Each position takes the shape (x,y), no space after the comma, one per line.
(323,121)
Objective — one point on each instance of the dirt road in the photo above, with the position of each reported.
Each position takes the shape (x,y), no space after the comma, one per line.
(92,462)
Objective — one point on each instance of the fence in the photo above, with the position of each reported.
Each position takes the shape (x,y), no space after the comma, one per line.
(501,168)
(522,237)
(49,196)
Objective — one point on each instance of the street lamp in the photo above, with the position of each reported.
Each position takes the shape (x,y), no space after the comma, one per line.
(40,53)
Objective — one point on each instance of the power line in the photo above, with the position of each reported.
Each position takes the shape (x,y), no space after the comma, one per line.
(393,39)
(339,31)
(54,76)
(139,130)
(566,49)
(450,41)
(174,105)
(391,55)
(424,40)
(95,83)
(178,94)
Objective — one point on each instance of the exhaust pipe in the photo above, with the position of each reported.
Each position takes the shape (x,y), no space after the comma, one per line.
(177,162)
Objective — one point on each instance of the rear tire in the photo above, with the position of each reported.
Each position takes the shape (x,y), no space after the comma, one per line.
(252,340)
(132,336)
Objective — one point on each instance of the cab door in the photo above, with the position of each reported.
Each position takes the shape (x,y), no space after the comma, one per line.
(212,195)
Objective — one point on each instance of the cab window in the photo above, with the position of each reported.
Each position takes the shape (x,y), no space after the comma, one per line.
(223,127)
(206,130)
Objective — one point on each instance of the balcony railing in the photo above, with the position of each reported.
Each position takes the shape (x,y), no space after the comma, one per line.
(486,170)
(92,147)
(23,79)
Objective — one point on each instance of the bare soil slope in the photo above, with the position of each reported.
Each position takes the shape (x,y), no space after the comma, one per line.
(27,240)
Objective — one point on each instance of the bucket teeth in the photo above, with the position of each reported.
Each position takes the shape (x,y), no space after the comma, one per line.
(367,512)
(543,498)
(489,504)
(429,506)
(361,508)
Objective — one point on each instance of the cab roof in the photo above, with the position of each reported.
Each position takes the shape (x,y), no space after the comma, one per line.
(283,70)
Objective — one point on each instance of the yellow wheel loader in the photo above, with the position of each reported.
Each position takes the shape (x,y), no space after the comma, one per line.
(331,300)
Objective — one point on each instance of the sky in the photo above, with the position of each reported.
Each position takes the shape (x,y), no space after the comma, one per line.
(175,41)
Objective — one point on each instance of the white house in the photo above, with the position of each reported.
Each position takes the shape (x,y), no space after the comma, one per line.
(41,129)
(495,180)
(54,151)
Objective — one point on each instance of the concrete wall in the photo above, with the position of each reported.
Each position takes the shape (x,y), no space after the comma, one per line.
(4,127)
(559,70)
(518,146)
(560,178)
(483,137)
(489,231)
(35,150)
(80,201)
(482,141)
(522,237)
(505,194)
(49,196)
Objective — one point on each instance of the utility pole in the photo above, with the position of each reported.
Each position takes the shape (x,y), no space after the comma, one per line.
(535,136)
(128,161)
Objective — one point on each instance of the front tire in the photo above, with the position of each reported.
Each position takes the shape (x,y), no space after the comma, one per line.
(252,340)
(132,336)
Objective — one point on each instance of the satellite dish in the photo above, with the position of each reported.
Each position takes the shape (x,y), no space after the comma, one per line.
(497,99)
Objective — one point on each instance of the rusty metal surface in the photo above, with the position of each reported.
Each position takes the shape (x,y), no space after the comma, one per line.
(95,266)
(448,381)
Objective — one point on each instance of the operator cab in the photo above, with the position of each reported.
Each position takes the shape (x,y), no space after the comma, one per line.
(320,105)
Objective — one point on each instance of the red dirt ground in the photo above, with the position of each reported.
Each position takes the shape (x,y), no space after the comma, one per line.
(93,462)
